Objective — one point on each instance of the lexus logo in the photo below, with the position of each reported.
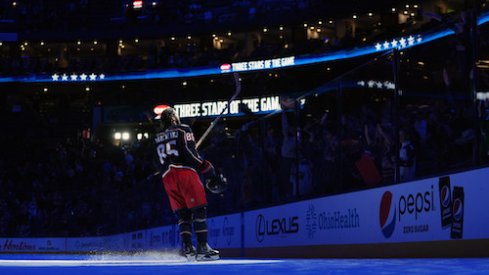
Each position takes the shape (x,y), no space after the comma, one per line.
(260,228)
(278,226)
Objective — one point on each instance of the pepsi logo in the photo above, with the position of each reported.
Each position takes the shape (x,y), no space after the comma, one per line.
(387,214)
(458,210)
(445,196)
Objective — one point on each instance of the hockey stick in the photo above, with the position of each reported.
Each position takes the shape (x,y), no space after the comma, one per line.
(214,122)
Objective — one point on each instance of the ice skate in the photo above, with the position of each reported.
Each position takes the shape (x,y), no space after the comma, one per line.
(188,251)
(206,253)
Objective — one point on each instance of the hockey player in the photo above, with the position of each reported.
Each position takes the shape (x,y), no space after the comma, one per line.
(180,161)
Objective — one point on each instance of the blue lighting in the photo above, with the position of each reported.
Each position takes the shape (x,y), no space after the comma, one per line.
(86,77)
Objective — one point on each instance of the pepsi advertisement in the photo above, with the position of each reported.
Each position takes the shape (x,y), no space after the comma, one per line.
(435,209)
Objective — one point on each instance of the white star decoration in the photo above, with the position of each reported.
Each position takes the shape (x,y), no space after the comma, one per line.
(389,85)
(394,43)
(76,77)
(376,84)
(398,43)
(410,40)
(402,42)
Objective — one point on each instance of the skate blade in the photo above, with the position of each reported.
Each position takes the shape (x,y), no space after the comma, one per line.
(203,258)
(190,257)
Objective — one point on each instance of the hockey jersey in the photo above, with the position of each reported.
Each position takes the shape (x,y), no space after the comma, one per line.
(176,148)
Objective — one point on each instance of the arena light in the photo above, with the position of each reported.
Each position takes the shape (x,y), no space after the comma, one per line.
(483,96)
(117,135)
(126,136)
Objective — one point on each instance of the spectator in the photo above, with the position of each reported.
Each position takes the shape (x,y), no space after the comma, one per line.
(407,157)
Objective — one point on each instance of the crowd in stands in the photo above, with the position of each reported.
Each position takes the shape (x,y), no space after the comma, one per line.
(354,151)
(34,15)
(181,52)
(82,187)
(76,187)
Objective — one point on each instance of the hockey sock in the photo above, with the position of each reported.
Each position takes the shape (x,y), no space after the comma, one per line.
(200,224)
(184,225)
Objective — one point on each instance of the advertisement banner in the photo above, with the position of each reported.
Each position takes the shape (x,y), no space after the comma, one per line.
(424,210)
(166,237)
(225,231)
(445,208)
(332,220)
(86,244)
(31,245)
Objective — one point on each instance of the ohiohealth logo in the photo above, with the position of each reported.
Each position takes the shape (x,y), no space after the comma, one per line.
(311,221)
(387,213)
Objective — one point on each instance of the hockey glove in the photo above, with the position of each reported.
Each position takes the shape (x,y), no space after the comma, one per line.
(207,169)
(217,183)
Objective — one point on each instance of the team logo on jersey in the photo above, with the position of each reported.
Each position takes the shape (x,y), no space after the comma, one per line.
(387,215)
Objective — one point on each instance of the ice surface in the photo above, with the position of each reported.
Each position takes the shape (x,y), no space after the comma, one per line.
(170,263)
